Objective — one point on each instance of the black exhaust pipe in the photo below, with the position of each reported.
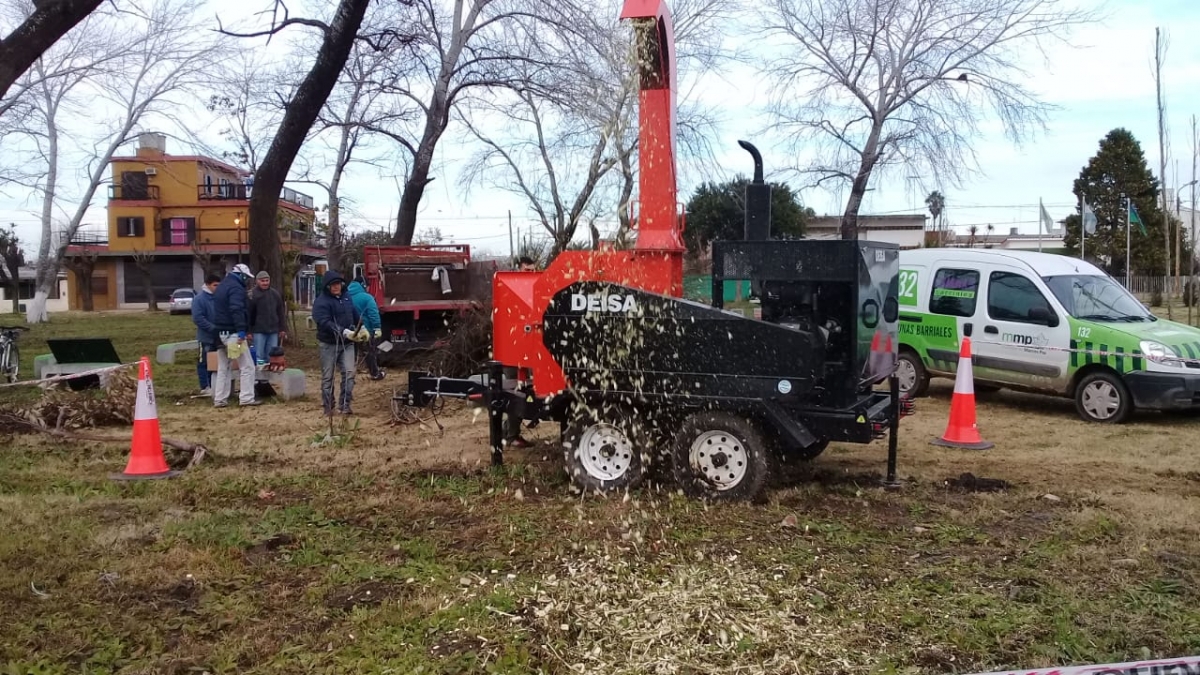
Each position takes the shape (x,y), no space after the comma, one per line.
(758,200)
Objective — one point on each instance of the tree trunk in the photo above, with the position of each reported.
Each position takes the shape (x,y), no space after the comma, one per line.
(302,111)
(13,263)
(414,189)
(858,189)
(83,266)
(47,263)
(51,19)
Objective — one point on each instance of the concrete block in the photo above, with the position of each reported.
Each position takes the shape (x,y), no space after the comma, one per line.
(166,353)
(288,384)
(40,363)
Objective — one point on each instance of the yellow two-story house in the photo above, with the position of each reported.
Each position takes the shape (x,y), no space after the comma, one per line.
(189,212)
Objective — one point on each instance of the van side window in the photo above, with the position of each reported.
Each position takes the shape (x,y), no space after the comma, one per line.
(954,292)
(1012,296)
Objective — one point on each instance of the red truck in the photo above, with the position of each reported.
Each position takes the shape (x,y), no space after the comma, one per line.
(421,289)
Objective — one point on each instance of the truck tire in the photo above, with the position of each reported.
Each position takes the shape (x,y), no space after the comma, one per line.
(603,449)
(721,457)
(1102,397)
(813,451)
(914,379)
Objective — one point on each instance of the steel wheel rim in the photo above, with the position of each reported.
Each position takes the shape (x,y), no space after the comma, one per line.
(605,452)
(906,372)
(1101,400)
(720,458)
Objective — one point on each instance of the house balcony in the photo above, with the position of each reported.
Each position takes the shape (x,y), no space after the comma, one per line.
(133,193)
(237,191)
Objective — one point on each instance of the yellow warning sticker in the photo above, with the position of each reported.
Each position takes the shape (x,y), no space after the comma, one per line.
(861,419)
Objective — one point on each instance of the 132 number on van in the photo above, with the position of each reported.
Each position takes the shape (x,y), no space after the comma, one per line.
(1084,332)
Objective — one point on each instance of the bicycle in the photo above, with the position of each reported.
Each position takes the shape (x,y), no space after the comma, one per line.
(10,356)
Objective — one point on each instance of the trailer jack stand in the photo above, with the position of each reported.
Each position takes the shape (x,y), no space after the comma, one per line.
(496,410)
(890,482)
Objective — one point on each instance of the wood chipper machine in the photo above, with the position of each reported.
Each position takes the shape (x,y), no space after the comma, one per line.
(603,342)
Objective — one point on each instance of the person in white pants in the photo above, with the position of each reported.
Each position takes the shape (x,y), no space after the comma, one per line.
(232,319)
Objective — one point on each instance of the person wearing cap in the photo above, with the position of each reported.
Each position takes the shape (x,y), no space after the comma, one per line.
(231,317)
(337,330)
(268,316)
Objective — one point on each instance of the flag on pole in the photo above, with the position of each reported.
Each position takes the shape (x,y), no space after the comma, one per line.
(1089,218)
(1135,218)
(1046,221)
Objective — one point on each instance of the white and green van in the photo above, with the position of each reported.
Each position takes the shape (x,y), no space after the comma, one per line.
(1042,323)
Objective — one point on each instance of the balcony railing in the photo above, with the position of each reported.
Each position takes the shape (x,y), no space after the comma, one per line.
(132,193)
(243,192)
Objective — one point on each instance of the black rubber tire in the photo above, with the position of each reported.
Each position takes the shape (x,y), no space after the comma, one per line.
(1124,398)
(15,355)
(623,421)
(758,457)
(813,451)
(921,386)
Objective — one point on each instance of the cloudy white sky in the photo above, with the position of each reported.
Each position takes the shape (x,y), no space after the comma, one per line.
(1105,81)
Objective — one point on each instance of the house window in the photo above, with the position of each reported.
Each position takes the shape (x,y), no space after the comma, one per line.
(955,292)
(131,227)
(178,231)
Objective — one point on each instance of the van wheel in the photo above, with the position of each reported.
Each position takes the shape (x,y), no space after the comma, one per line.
(914,380)
(1102,397)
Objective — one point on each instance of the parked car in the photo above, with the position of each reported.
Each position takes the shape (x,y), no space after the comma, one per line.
(181,300)
(1042,323)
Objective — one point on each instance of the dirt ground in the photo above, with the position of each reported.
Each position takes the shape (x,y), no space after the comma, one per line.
(394,548)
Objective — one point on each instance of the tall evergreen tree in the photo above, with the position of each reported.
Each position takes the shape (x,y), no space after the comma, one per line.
(1119,170)
(717,211)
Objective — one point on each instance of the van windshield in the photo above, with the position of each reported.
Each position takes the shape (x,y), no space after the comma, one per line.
(1097,298)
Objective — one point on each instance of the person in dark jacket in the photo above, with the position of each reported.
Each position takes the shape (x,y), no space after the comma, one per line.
(232,321)
(268,316)
(337,330)
(368,309)
(206,330)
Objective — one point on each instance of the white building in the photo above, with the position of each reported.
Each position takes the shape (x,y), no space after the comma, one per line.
(28,280)
(906,230)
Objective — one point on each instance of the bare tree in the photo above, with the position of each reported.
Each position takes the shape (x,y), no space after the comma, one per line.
(47,22)
(469,46)
(565,138)
(338,36)
(10,272)
(871,85)
(144,260)
(249,98)
(82,262)
(358,111)
(113,83)
(1160,52)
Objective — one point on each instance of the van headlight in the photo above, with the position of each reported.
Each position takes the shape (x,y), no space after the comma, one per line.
(1160,353)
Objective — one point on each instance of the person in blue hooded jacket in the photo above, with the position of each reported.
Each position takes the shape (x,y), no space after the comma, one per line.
(368,309)
(231,317)
(337,330)
(206,330)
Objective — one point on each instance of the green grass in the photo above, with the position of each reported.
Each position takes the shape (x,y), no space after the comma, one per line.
(290,559)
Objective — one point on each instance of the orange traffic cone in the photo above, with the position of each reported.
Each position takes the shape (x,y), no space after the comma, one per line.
(961,430)
(146,458)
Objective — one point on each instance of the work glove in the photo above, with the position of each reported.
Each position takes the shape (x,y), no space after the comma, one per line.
(348,333)
(241,335)
(378,333)
(362,335)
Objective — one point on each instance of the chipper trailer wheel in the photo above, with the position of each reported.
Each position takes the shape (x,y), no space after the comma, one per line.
(721,457)
(602,450)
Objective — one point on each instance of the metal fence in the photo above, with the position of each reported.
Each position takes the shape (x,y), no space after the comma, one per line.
(1152,285)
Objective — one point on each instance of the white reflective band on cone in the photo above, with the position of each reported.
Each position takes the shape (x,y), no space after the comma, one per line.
(145,407)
